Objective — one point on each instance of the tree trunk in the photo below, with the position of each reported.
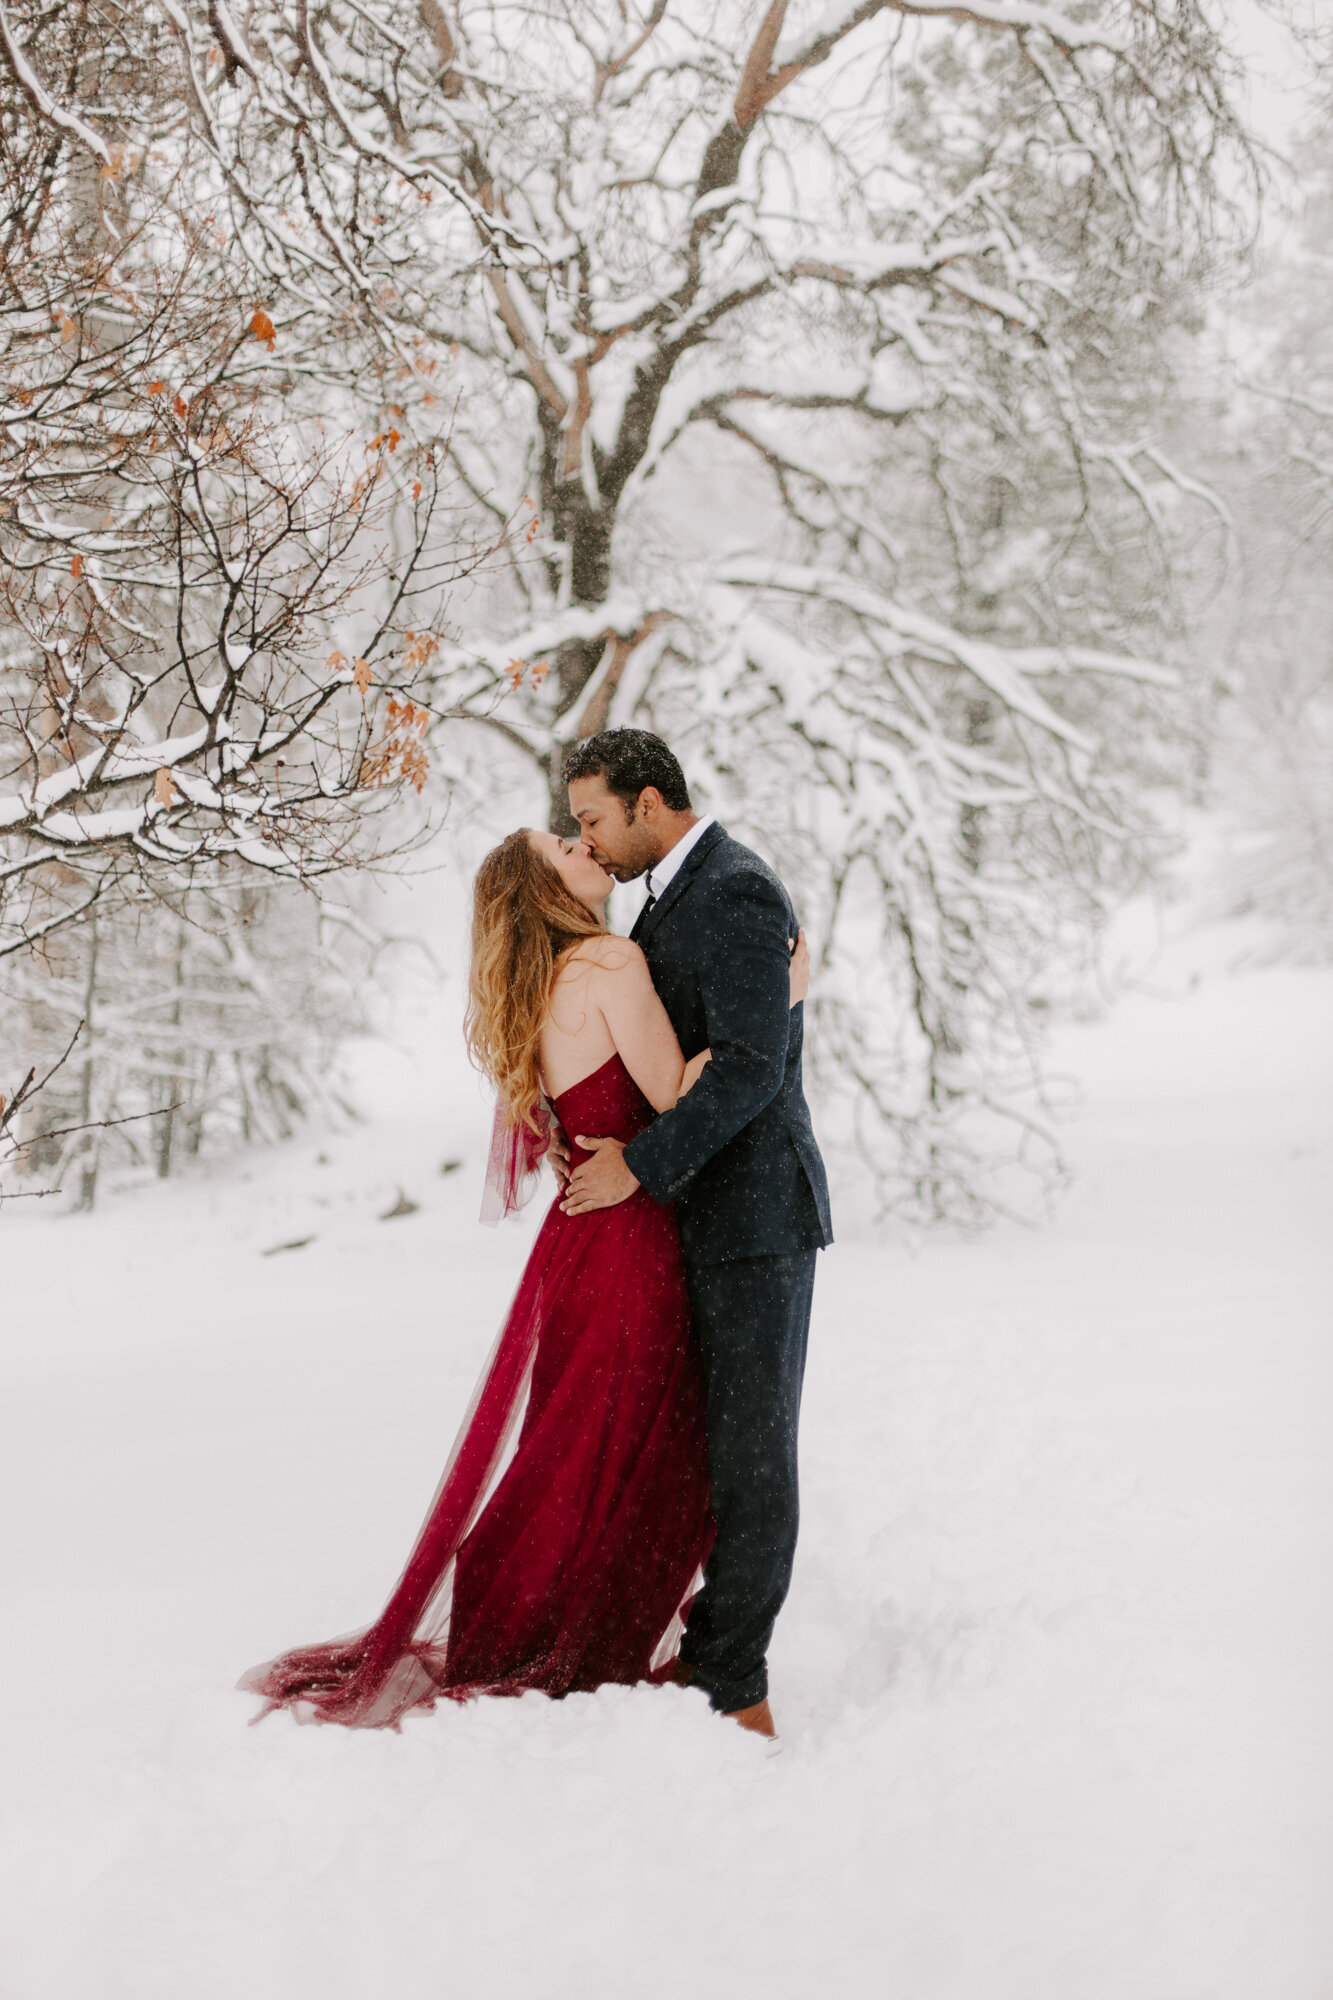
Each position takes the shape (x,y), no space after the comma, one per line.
(90,1159)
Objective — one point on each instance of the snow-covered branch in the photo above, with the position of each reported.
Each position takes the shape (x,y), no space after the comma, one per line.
(214,622)
(807,374)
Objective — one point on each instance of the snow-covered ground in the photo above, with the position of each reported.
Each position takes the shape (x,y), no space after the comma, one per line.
(1053,1682)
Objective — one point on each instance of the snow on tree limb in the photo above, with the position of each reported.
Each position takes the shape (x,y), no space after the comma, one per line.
(233,43)
(44,103)
(813,44)
(175,573)
(1003,670)
(816,409)
(620,613)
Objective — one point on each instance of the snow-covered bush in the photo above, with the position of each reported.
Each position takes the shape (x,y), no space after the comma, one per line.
(194,1023)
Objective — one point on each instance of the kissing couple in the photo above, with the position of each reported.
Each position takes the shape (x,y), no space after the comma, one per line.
(621,1502)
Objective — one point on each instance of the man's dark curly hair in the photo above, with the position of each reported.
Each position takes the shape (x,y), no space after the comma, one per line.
(628,760)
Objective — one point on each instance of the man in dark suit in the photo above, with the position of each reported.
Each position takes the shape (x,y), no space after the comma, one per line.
(738,1157)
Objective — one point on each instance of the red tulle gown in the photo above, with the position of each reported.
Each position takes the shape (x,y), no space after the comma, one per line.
(576,1566)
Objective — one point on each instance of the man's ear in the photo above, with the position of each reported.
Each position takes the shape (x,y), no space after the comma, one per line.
(649,803)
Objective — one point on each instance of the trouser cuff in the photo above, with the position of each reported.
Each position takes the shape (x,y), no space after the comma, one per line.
(726,1696)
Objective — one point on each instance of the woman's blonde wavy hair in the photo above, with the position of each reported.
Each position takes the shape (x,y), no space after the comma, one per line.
(523,918)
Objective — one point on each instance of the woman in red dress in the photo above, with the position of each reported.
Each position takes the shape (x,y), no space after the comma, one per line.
(570,1529)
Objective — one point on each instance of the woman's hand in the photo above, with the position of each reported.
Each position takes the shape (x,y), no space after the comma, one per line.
(558,1156)
(694,1069)
(800,969)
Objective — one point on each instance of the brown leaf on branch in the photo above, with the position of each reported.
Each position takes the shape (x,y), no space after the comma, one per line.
(76,565)
(421,649)
(262,327)
(400,756)
(164,788)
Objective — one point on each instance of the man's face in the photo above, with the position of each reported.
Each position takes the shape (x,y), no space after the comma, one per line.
(619,840)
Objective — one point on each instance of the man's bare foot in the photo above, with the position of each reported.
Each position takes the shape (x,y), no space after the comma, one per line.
(759,1718)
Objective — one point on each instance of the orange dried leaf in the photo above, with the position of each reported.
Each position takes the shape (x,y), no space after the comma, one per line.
(361,674)
(421,647)
(416,489)
(76,565)
(164,788)
(262,327)
(156,388)
(181,407)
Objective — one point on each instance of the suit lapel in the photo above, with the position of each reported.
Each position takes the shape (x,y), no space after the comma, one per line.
(680,881)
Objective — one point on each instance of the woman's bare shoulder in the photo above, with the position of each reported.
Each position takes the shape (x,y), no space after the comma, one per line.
(606,954)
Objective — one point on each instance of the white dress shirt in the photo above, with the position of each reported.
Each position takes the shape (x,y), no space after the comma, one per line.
(665,870)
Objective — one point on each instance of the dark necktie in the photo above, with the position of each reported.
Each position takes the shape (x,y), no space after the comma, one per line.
(639,920)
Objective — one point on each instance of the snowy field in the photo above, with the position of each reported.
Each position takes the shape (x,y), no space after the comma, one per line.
(1053,1683)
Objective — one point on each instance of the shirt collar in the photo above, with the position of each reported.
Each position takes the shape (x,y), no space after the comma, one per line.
(664,870)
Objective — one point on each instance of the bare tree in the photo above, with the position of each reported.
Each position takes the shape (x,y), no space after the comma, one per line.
(218,605)
(1265,429)
(823,359)
(175,572)
(198,1021)
(16,1105)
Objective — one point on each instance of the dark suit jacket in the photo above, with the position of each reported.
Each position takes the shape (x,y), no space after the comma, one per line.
(738,1153)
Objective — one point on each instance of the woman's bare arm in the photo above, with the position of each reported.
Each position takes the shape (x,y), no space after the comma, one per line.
(621,986)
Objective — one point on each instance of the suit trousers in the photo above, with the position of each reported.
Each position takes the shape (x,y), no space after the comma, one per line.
(752,1321)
